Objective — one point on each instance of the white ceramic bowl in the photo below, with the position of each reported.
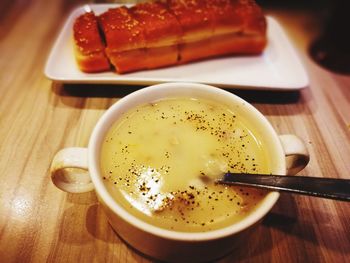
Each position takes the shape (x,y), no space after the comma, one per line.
(151,240)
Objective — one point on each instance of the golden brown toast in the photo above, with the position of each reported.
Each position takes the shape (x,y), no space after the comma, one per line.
(169,32)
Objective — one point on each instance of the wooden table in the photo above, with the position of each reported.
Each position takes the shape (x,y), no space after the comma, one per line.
(39,223)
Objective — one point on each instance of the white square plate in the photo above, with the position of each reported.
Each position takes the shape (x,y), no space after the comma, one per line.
(278,68)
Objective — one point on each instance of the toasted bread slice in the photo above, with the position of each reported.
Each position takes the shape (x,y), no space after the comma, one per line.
(125,40)
(237,27)
(89,47)
(162,33)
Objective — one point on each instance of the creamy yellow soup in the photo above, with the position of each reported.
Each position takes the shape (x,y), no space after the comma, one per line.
(159,161)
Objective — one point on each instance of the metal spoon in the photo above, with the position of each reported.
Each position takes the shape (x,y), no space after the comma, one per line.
(338,189)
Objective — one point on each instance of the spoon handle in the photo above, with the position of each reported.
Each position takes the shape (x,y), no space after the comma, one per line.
(338,189)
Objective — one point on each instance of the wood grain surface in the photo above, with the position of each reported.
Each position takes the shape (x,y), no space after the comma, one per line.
(39,223)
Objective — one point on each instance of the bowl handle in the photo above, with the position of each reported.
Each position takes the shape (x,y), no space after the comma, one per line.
(297,155)
(69,170)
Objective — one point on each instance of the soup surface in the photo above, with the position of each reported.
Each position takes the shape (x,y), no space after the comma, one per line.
(159,161)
